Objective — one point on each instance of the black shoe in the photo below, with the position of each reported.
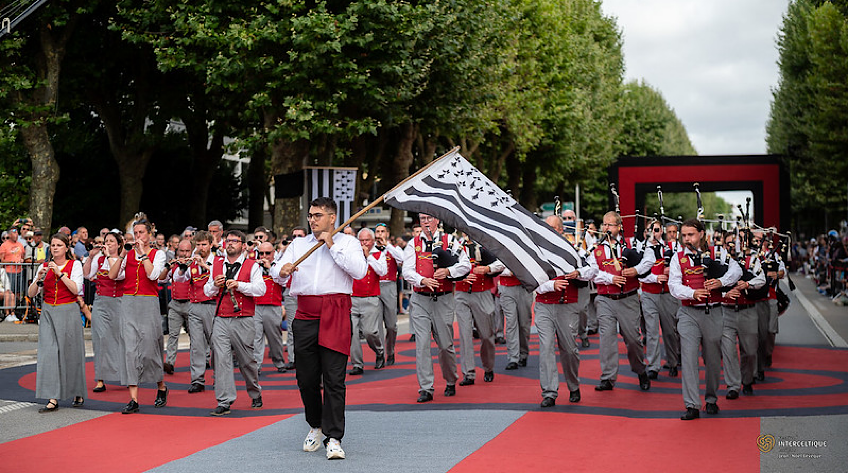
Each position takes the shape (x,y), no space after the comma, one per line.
(196,388)
(747,389)
(412,338)
(220,411)
(591,331)
(712,408)
(99,389)
(488,376)
(499,340)
(466,381)
(522,362)
(585,343)
(355,371)
(78,402)
(511,366)
(761,376)
(644,382)
(381,362)
(258,372)
(548,402)
(768,361)
(691,414)
(169,368)
(425,397)
(475,334)
(666,367)
(732,394)
(289,366)
(256,403)
(390,360)
(653,375)
(281,369)
(605,385)
(51,406)
(672,372)
(574,396)
(161,397)
(130,408)
(450,390)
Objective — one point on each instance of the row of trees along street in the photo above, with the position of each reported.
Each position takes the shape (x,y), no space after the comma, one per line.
(532,92)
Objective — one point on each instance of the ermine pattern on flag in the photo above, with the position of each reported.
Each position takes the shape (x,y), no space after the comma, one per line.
(337,183)
(461,196)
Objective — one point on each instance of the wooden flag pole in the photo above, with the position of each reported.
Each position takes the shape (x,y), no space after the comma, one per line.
(371,205)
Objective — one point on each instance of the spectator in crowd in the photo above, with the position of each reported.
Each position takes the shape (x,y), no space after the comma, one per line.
(11,257)
(36,250)
(81,240)
(8,296)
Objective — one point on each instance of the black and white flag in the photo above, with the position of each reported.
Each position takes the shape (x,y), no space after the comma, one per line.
(459,195)
(337,183)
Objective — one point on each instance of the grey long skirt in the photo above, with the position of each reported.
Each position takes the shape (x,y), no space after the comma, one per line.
(60,372)
(141,329)
(106,339)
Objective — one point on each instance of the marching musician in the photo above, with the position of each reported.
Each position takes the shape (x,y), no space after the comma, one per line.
(269,310)
(178,308)
(767,314)
(617,303)
(700,320)
(366,309)
(388,290)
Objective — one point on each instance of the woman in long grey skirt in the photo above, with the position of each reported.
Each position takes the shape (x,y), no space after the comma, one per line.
(106,339)
(60,372)
(141,327)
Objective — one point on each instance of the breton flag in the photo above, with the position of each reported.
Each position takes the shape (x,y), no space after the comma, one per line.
(337,183)
(459,195)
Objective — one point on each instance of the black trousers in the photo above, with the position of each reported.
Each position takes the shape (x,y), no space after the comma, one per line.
(315,362)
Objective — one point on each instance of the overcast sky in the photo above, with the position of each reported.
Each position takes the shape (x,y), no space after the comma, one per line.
(714,61)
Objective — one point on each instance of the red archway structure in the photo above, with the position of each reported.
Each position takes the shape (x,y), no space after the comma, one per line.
(764,175)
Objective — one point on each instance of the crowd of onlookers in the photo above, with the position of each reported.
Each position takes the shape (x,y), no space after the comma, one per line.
(825,261)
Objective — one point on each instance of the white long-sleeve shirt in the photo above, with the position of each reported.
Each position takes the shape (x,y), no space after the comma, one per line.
(461,268)
(603,277)
(255,288)
(158,265)
(379,263)
(683,292)
(327,270)
(587,273)
(184,276)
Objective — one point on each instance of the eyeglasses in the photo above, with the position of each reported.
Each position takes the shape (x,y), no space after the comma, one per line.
(233,241)
(316,216)
(261,253)
(426,219)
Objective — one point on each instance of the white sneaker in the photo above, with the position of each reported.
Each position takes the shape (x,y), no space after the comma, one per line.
(334,450)
(313,440)
(11,318)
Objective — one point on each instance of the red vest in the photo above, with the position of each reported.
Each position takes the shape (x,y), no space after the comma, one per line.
(179,289)
(273,292)
(741,300)
(106,286)
(136,282)
(424,266)
(197,279)
(694,277)
(568,296)
(393,268)
(608,265)
(484,282)
(508,281)
(246,303)
(657,269)
(55,291)
(369,286)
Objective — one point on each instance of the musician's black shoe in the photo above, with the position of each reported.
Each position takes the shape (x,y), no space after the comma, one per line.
(691,414)
(712,408)
(732,394)
(747,389)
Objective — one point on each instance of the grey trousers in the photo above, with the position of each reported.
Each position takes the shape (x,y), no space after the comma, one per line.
(267,320)
(498,327)
(591,312)
(60,370)
(200,318)
(365,315)
(476,307)
(389,305)
(583,301)
(739,366)
(428,316)
(516,303)
(177,316)
(660,311)
(625,314)
(290,303)
(700,330)
(767,328)
(557,322)
(233,336)
(106,339)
